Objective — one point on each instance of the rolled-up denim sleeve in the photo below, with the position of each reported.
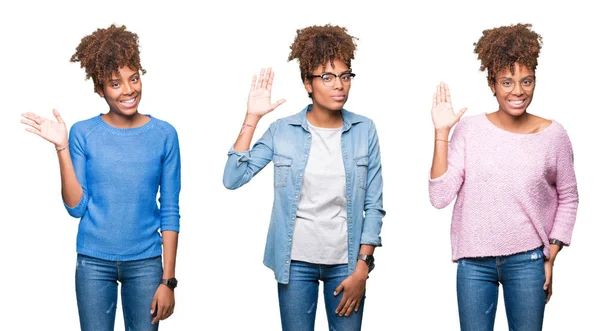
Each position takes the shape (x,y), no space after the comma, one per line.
(241,166)
(374,212)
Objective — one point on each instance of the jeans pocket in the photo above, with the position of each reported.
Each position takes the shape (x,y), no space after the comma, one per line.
(282,169)
(362,164)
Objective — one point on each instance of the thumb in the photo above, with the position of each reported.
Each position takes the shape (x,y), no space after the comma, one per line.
(461,112)
(277,104)
(153,304)
(547,283)
(57,116)
(339,289)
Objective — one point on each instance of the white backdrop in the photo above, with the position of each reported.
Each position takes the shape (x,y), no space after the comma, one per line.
(200,59)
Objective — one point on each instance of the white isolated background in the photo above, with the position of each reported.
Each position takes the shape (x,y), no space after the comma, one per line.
(200,59)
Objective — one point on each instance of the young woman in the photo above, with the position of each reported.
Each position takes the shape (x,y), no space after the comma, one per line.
(328,212)
(112,166)
(513,178)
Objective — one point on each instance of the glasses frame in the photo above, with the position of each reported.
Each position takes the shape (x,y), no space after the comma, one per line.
(351,74)
(520,82)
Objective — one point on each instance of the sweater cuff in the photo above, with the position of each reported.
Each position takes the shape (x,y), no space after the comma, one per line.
(81,207)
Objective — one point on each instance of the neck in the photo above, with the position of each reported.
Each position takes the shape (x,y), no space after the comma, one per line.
(511,123)
(125,122)
(325,118)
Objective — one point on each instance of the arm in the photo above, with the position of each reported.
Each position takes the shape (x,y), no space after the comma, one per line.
(70,158)
(170,186)
(373,209)
(243,164)
(447,167)
(566,189)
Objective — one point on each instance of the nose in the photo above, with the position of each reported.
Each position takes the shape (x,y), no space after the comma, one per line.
(337,83)
(127,88)
(518,90)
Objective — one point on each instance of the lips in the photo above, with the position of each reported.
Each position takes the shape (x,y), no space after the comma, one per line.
(517,103)
(340,97)
(129,103)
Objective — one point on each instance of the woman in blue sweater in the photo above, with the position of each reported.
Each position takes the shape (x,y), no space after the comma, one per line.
(328,210)
(112,166)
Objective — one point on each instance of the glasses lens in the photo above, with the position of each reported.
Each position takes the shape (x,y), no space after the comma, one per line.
(328,79)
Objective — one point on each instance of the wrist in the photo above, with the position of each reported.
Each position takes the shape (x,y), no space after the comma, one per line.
(252,119)
(362,270)
(442,133)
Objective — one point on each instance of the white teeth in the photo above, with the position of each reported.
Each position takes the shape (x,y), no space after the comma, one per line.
(516,102)
(129,101)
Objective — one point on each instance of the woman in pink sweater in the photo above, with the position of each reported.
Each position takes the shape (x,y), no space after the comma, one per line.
(513,178)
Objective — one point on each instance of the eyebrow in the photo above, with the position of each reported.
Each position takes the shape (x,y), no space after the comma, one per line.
(529,76)
(119,79)
(349,71)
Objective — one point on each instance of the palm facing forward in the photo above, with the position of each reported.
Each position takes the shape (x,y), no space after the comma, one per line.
(442,112)
(54,132)
(259,99)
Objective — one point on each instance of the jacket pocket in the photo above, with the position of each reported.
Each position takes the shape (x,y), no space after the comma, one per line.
(282,169)
(362,163)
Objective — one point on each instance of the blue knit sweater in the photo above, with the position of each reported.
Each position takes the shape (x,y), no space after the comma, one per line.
(121,171)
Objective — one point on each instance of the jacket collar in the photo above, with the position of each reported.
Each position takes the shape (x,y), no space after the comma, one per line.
(348,117)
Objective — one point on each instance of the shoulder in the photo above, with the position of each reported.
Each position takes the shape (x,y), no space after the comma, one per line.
(165,127)
(85,127)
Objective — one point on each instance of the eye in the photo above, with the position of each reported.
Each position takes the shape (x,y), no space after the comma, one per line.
(346,77)
(507,83)
(115,85)
(327,77)
(527,82)
(135,79)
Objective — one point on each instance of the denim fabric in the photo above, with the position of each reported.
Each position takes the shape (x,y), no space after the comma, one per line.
(298,299)
(96,286)
(522,277)
(287,143)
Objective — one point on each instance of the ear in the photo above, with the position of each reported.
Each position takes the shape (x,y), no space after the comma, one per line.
(493,88)
(308,86)
(100,91)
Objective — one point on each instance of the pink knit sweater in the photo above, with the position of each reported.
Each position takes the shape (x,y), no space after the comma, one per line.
(515,191)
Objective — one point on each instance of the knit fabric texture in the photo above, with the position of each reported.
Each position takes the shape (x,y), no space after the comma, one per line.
(513,191)
(121,172)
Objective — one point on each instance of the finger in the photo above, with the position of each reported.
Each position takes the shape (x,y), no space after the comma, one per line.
(448,100)
(350,308)
(460,113)
(347,307)
(438,95)
(267,81)
(153,304)
(271,75)
(341,305)
(33,131)
(434,102)
(253,86)
(32,124)
(357,304)
(261,78)
(57,116)
(31,116)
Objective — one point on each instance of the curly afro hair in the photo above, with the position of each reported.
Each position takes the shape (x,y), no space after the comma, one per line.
(502,47)
(103,52)
(314,46)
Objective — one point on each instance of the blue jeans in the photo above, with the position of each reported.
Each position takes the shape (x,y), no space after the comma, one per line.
(298,298)
(96,287)
(522,277)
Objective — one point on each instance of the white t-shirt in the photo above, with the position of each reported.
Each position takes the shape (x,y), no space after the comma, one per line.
(321,231)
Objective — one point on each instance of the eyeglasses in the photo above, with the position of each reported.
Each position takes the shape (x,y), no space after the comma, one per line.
(508,85)
(329,78)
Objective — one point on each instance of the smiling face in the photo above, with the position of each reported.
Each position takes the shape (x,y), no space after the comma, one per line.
(329,98)
(123,93)
(514,102)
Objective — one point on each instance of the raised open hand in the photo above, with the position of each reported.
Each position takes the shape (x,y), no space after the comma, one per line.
(442,113)
(259,99)
(54,132)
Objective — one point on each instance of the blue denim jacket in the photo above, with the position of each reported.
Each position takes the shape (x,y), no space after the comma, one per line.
(287,143)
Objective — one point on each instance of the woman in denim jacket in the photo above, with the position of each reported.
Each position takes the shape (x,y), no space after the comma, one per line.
(328,211)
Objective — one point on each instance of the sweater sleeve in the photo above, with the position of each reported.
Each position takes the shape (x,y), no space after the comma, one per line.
(242,166)
(566,189)
(170,184)
(443,189)
(374,211)
(78,157)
